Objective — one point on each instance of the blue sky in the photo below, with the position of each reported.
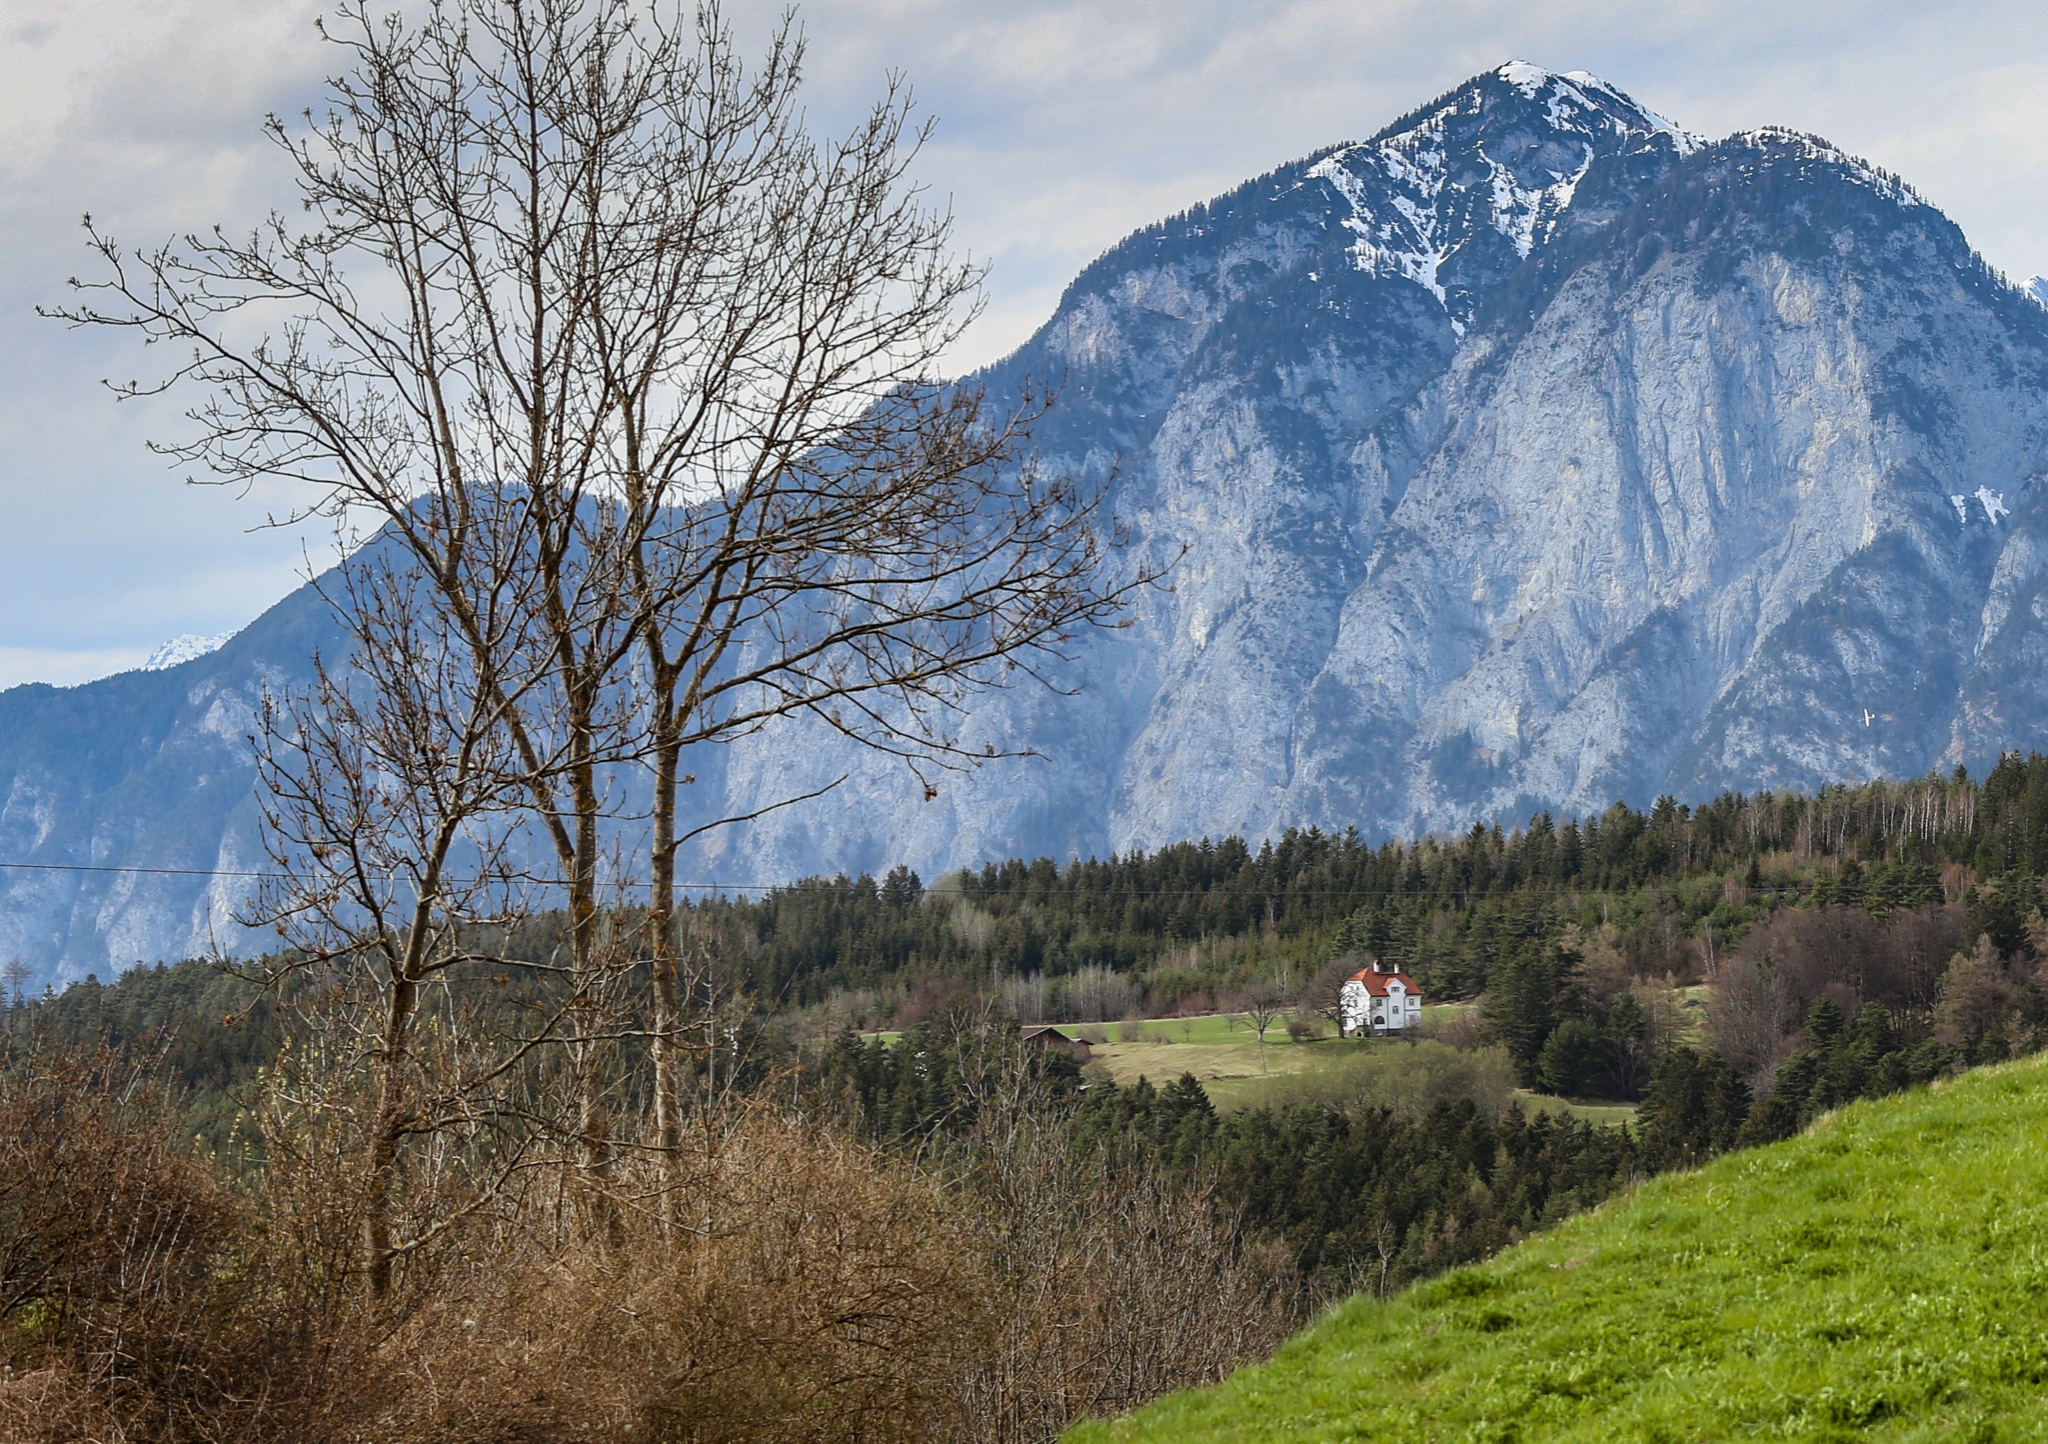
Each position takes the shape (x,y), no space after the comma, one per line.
(1062,126)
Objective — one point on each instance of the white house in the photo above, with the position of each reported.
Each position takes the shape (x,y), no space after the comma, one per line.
(1376,1001)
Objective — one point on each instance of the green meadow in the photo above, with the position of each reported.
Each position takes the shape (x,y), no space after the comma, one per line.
(1236,1070)
(1884,1276)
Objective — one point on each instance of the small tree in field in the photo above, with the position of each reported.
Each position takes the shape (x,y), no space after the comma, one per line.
(1264,1002)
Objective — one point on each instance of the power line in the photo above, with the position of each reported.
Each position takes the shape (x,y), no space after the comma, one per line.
(1555,890)
(153,871)
(286,877)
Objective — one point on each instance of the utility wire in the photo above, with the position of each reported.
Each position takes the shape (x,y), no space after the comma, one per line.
(1110,893)
(286,877)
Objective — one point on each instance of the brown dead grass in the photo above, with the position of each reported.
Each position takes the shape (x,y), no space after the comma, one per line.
(803,1286)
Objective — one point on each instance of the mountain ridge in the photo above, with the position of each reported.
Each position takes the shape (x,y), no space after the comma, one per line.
(1532,452)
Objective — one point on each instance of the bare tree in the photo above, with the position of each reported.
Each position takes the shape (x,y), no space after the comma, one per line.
(815,529)
(1264,1002)
(635,377)
(393,800)
(1323,995)
(1751,1012)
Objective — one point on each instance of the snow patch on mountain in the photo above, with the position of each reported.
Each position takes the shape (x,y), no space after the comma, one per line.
(2035,288)
(1411,216)
(1684,139)
(1418,260)
(188,648)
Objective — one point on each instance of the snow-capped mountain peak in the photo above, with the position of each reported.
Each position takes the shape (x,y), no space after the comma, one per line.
(187,648)
(1458,193)
(2036,287)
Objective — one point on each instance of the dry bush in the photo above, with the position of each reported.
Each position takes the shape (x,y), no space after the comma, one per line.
(812,1291)
(1115,1284)
(1856,956)
(803,1286)
(813,1288)
(1464,1030)
(137,1296)
(934,996)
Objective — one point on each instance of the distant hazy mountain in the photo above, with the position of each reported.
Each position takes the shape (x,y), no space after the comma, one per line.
(1532,453)
(150,769)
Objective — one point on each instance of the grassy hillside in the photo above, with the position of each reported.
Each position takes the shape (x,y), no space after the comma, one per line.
(1883,1276)
(1237,1071)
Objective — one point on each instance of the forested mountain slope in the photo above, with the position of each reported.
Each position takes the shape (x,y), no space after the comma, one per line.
(1530,453)
(1871,1279)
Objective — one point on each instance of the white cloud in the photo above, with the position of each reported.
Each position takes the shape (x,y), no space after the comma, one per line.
(1063,125)
(62,667)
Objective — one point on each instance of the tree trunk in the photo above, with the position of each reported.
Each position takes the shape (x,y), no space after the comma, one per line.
(661,933)
(387,1131)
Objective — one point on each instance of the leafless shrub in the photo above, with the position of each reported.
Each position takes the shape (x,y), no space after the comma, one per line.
(801,1286)
(139,1297)
(1114,1285)
(1751,1014)
(1797,955)
(816,1291)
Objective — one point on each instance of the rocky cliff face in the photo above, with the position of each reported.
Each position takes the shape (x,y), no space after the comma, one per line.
(1532,453)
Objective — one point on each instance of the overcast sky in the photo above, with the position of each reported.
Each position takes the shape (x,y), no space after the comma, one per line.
(1062,128)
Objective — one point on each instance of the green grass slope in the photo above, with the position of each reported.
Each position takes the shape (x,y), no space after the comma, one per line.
(1883,1277)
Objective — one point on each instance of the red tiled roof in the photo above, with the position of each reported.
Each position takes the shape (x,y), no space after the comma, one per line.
(1376,983)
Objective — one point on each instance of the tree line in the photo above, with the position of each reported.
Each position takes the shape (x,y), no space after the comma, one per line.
(1204,917)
